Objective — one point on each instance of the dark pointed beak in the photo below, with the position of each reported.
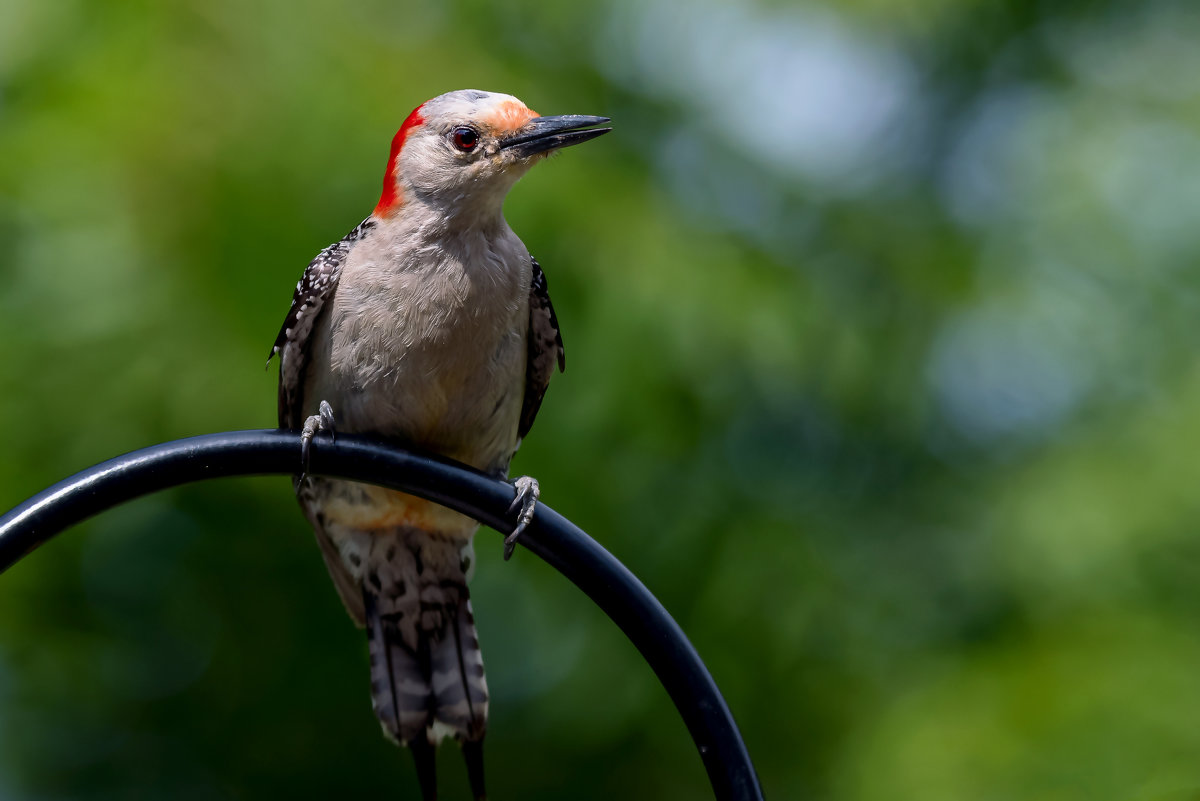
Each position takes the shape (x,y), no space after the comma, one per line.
(542,134)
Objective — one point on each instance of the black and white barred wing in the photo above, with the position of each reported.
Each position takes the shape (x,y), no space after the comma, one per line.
(313,290)
(545,349)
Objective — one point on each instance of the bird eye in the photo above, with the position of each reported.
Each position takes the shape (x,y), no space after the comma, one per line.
(465,139)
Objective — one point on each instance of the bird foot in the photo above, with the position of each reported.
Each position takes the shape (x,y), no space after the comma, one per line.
(528,493)
(321,421)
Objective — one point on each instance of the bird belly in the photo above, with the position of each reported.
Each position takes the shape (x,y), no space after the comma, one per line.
(463,406)
(368,508)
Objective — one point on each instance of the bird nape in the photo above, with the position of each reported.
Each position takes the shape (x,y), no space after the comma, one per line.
(429,326)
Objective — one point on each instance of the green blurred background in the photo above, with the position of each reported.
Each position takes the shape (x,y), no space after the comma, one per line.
(883,375)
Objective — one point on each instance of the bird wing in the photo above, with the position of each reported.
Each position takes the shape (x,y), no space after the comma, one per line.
(314,288)
(545,348)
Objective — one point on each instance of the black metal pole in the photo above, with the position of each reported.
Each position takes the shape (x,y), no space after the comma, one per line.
(551,536)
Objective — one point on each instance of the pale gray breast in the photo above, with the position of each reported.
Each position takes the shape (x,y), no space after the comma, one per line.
(428,345)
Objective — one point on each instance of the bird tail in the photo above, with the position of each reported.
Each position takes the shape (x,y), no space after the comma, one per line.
(427,680)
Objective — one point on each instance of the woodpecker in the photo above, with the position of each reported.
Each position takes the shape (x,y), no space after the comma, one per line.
(428,326)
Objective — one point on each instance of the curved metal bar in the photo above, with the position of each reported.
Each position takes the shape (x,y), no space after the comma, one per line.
(550,536)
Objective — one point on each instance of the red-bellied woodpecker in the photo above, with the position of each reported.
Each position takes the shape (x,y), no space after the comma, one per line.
(429,325)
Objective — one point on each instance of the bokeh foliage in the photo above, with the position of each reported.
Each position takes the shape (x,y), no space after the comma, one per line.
(882,346)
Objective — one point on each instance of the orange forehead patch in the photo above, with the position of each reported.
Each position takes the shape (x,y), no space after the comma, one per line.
(509,116)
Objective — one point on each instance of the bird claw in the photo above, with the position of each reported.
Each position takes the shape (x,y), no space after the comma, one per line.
(528,493)
(321,421)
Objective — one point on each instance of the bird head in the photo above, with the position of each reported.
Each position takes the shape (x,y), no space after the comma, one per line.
(466,149)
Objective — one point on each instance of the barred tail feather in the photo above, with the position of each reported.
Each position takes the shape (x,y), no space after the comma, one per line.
(459,687)
(400,677)
(427,679)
